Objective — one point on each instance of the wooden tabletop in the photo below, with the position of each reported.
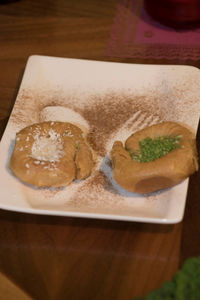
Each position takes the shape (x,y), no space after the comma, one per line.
(50,257)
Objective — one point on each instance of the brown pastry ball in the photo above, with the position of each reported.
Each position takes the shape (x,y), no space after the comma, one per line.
(163,172)
(51,154)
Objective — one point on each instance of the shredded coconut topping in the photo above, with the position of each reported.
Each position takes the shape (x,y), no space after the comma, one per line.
(47,148)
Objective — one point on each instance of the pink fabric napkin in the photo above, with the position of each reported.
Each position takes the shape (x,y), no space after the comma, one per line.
(135,34)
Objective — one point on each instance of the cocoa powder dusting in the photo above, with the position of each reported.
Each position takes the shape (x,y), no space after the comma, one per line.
(111,115)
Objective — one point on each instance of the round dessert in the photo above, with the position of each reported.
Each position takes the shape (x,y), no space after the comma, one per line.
(154,158)
(51,154)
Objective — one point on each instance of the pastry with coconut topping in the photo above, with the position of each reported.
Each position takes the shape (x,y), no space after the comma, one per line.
(51,154)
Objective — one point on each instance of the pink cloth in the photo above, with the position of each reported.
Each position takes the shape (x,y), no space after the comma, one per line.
(135,34)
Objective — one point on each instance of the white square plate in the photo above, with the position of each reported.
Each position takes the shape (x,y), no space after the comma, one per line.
(113,100)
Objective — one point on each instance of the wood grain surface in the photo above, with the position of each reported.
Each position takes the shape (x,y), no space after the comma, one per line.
(45,257)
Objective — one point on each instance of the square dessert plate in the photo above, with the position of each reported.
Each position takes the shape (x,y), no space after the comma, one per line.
(110,101)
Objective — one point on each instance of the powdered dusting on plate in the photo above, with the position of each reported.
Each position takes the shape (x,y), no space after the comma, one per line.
(108,109)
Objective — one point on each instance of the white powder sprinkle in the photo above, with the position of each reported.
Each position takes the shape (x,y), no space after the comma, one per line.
(47,148)
(21,149)
(18,139)
(53,135)
(27,165)
(27,139)
(36,162)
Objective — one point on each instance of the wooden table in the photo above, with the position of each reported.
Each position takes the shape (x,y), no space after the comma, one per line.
(47,257)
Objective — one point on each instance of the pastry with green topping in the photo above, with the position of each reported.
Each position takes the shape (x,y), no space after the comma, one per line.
(154,158)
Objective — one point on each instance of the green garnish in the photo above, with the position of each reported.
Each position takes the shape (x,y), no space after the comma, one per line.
(185,285)
(152,149)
